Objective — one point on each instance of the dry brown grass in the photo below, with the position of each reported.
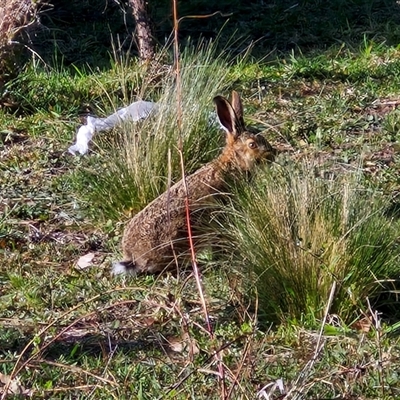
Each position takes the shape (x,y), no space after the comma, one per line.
(15,15)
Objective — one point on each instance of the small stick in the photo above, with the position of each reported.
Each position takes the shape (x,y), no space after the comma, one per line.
(328,306)
(377,325)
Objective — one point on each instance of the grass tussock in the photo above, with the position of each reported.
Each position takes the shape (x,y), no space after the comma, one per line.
(299,233)
(135,169)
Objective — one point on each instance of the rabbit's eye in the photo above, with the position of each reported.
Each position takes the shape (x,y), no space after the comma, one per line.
(252,145)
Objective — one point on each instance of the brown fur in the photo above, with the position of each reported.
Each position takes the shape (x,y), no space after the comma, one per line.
(159,232)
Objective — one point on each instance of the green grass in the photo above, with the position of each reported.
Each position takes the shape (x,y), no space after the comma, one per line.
(299,233)
(80,334)
(135,169)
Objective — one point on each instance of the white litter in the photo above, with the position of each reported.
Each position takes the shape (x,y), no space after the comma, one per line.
(272,386)
(85,261)
(134,112)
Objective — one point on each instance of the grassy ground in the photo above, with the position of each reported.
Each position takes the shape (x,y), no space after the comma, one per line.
(75,333)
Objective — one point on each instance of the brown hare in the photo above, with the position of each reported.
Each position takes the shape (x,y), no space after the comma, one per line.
(157,234)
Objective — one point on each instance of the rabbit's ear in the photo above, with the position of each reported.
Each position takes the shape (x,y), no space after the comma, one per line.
(237,105)
(227,116)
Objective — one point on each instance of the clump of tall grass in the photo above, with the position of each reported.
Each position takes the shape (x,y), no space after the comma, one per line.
(294,234)
(145,158)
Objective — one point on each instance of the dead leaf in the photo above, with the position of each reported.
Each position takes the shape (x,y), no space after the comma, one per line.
(13,385)
(184,343)
(176,344)
(363,324)
(85,261)
(191,343)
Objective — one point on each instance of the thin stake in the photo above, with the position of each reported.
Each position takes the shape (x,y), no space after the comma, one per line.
(221,371)
(177,67)
(192,249)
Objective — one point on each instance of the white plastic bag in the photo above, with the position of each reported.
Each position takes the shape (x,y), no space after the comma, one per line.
(134,112)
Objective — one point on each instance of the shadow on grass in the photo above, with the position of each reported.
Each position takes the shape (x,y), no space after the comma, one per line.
(127,330)
(81,33)
(393,211)
(75,348)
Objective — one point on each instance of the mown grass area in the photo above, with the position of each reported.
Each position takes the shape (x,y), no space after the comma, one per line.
(304,288)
